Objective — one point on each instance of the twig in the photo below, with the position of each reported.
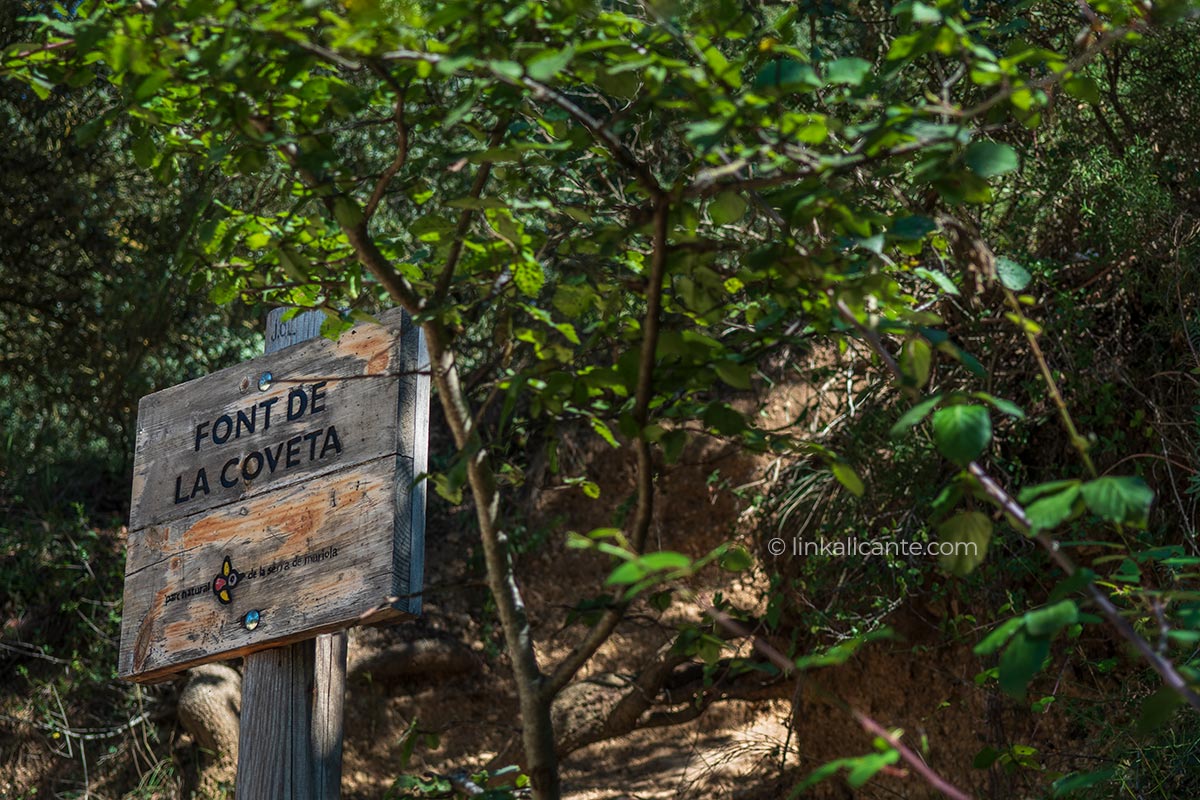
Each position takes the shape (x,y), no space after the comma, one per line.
(644,511)
(464,219)
(1016,513)
(32,653)
(871,726)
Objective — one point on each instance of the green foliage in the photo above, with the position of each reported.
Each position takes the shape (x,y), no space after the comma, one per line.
(968,528)
(89,320)
(622,219)
(962,432)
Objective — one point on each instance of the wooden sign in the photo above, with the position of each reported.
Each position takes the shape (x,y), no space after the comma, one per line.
(275,500)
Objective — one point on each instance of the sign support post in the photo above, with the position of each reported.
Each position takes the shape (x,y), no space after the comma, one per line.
(290,740)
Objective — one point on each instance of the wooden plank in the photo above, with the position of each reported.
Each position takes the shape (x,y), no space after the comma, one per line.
(274,759)
(413,436)
(329,692)
(222,438)
(281,333)
(304,566)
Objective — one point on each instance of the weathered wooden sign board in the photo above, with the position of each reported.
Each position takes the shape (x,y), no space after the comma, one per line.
(275,500)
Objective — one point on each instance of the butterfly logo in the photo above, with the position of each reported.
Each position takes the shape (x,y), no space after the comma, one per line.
(223,584)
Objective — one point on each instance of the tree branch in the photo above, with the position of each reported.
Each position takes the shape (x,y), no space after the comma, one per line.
(537,729)
(464,219)
(644,513)
(397,162)
(619,151)
(871,726)
(1016,514)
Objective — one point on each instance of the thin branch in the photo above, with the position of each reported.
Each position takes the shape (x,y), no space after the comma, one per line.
(401,154)
(788,668)
(464,219)
(1016,514)
(541,91)
(644,513)
(1078,442)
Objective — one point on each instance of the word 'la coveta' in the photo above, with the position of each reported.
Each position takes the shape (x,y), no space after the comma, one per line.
(287,453)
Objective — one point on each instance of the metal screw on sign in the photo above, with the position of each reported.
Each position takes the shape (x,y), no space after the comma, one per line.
(264,382)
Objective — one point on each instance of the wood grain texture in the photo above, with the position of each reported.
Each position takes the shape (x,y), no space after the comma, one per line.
(274,759)
(242,436)
(413,434)
(292,696)
(329,692)
(318,546)
(305,566)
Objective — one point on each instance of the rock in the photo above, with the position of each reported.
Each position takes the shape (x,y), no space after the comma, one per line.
(209,709)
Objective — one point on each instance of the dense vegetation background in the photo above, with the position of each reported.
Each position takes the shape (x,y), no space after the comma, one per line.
(907,272)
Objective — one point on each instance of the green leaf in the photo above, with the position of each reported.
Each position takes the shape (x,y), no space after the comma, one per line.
(334,326)
(347,212)
(86,133)
(1000,404)
(724,419)
(914,415)
(545,66)
(726,208)
(940,279)
(1069,784)
(1031,493)
(601,428)
(449,490)
(1045,622)
(638,568)
(785,75)
(1082,88)
(736,559)
(847,477)
(847,71)
(151,84)
(1021,660)
(735,374)
(629,572)
(664,560)
(996,639)
(911,229)
(916,361)
(672,443)
(574,300)
(986,757)
(1012,274)
(989,159)
(924,14)
(529,277)
(969,532)
(865,767)
(961,433)
(144,151)
(224,292)
(1124,499)
(1047,512)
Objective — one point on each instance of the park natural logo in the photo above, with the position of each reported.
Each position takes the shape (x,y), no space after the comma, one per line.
(224,582)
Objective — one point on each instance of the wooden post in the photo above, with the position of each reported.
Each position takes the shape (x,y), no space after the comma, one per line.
(290,745)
